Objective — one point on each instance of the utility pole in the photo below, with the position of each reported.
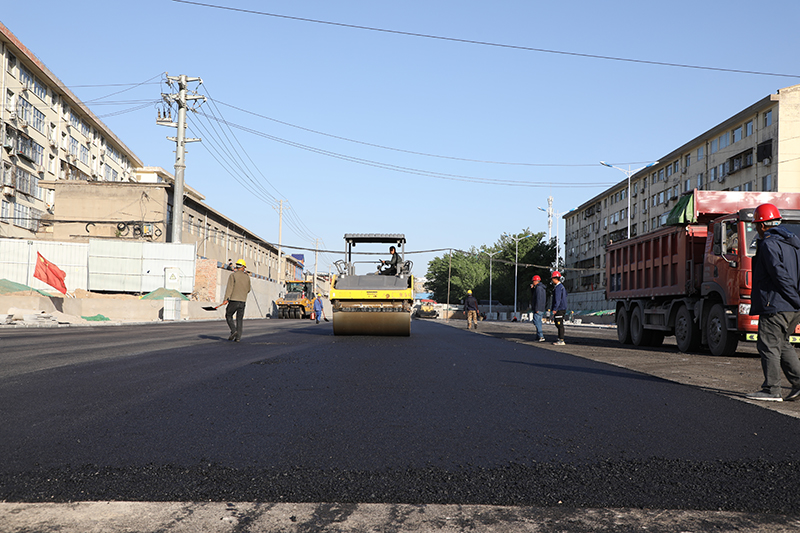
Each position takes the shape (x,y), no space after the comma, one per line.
(180,145)
(280,209)
(316,259)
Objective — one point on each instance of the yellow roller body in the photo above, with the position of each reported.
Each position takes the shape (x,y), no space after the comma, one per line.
(372,305)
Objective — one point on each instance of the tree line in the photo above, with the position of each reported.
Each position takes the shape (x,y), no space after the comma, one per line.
(469,270)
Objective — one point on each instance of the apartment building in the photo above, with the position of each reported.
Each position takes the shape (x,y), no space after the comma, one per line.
(67,177)
(757,149)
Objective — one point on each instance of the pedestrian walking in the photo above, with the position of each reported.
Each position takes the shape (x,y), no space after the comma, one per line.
(471,309)
(319,309)
(559,306)
(235,297)
(538,305)
(776,301)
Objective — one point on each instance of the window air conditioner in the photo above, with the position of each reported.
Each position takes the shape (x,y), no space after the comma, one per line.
(767,161)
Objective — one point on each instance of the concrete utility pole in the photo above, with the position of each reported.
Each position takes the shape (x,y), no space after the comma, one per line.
(280,209)
(180,145)
(316,260)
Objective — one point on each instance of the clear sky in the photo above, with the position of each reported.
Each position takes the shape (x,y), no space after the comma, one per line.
(450,142)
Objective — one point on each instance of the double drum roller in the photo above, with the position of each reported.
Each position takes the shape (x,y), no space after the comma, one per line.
(374,303)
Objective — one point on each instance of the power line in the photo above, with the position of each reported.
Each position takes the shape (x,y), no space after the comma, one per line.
(407,151)
(414,171)
(486,43)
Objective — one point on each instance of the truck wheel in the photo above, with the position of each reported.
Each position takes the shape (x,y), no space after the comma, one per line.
(687,332)
(720,340)
(639,335)
(623,326)
(281,313)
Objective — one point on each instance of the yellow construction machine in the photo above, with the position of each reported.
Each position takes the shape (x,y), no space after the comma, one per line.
(298,302)
(375,303)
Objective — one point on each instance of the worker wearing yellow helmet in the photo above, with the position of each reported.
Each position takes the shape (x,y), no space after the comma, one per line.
(235,297)
(471,309)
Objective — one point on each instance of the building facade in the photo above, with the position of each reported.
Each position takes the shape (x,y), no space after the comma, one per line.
(757,149)
(67,177)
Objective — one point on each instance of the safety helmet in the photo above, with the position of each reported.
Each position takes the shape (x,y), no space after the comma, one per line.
(536,278)
(241,263)
(469,292)
(765,213)
(556,274)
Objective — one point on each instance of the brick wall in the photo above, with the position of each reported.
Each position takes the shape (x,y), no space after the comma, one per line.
(205,280)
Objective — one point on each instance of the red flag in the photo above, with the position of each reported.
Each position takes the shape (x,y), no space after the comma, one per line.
(50,274)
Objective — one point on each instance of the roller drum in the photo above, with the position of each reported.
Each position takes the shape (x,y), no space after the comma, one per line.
(372,322)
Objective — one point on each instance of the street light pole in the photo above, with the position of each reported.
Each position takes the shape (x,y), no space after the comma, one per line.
(551,213)
(628,173)
(490,254)
(516,267)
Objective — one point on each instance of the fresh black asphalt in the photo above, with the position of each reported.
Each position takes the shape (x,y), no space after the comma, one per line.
(174,412)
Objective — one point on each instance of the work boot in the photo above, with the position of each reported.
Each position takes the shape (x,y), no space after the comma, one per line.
(793,395)
(765,396)
(233,336)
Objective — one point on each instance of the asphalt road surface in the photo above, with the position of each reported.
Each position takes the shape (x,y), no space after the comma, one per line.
(175,413)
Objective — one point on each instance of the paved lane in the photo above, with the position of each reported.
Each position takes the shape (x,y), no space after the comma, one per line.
(292,413)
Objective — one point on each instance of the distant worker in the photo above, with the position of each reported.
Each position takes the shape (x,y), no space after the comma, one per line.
(559,306)
(235,297)
(471,309)
(775,298)
(229,266)
(391,270)
(538,305)
(319,309)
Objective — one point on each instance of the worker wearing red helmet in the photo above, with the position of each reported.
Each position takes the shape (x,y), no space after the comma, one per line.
(776,300)
(538,305)
(559,306)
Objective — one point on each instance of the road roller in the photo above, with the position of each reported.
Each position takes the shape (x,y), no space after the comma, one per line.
(375,303)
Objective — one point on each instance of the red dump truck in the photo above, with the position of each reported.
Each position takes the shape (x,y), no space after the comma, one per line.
(693,278)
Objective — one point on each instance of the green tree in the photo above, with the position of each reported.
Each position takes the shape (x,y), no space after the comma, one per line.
(464,271)
(470,270)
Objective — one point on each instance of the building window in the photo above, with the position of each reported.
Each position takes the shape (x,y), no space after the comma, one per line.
(766,183)
(768,118)
(11,63)
(748,128)
(687,186)
(688,160)
(676,167)
(747,186)
(73,145)
(714,146)
(24,110)
(38,120)
(40,89)
(700,181)
(712,174)
(25,77)
(84,155)
(737,134)
(661,175)
(724,140)
(701,153)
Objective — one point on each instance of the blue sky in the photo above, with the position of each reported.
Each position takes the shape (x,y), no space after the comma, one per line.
(541,120)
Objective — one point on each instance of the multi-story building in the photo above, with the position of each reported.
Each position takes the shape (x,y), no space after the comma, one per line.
(757,149)
(67,177)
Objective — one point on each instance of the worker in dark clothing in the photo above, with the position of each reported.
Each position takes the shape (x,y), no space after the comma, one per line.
(471,310)
(391,264)
(559,306)
(235,297)
(776,299)
(538,305)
